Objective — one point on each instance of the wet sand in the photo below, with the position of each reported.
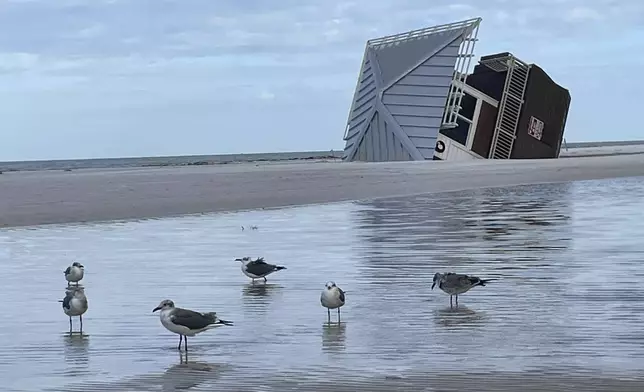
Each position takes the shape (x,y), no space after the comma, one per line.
(191,375)
(47,197)
(553,320)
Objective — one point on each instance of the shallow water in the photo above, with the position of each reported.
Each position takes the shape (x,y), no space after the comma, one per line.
(568,300)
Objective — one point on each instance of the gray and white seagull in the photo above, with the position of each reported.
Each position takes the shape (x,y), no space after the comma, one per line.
(332,297)
(75,304)
(258,268)
(74,273)
(455,284)
(185,322)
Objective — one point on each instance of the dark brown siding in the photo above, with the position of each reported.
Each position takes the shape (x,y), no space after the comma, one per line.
(484,130)
(487,81)
(549,102)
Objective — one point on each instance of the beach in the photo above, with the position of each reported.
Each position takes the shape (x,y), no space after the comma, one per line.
(552,318)
(89,195)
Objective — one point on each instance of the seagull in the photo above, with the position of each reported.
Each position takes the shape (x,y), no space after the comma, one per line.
(257,269)
(74,273)
(332,298)
(185,322)
(75,304)
(455,284)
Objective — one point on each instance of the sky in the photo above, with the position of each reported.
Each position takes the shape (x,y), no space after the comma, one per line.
(113,78)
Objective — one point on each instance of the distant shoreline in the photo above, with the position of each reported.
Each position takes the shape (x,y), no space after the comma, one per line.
(568,150)
(58,197)
(165,161)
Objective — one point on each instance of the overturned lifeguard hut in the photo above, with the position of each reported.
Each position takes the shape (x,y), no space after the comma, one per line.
(415,101)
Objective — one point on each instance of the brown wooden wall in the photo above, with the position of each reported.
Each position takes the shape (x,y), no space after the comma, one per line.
(549,102)
(485,130)
(487,81)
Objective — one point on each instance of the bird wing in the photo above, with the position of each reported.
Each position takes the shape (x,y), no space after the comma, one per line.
(67,301)
(462,280)
(259,267)
(68,270)
(340,294)
(192,319)
(451,279)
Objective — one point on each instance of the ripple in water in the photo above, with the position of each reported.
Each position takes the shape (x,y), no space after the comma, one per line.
(567,305)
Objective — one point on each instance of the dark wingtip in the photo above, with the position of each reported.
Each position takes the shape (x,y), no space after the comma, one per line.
(483,282)
(279,267)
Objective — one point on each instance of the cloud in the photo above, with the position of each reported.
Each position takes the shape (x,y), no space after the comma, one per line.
(266,95)
(89,32)
(111,67)
(583,14)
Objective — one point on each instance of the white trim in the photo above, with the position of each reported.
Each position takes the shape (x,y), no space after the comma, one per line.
(461,67)
(467,120)
(474,124)
(420,33)
(478,94)
(450,146)
(464,149)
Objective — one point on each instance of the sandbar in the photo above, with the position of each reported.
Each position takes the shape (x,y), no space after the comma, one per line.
(90,195)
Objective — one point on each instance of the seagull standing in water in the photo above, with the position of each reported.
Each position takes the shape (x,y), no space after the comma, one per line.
(185,322)
(257,269)
(75,304)
(455,284)
(332,298)
(74,273)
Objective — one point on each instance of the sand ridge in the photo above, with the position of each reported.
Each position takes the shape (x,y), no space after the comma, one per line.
(50,197)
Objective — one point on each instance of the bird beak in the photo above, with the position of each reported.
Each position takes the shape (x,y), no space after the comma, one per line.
(82,266)
(155,309)
(433,284)
(238,259)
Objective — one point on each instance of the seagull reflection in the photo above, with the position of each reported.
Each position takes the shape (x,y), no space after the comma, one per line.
(179,377)
(334,336)
(458,317)
(188,375)
(76,352)
(260,290)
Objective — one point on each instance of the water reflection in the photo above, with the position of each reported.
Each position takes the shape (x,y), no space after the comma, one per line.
(189,374)
(334,336)
(258,298)
(76,350)
(193,374)
(458,317)
(260,289)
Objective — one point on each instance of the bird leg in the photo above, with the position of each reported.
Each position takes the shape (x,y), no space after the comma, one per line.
(450,302)
(253,280)
(70,325)
(185,338)
(457,300)
(264,279)
(338,315)
(81,323)
(328,311)
(180,339)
